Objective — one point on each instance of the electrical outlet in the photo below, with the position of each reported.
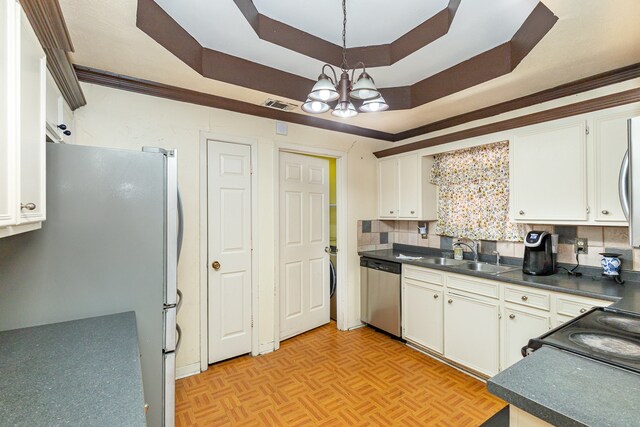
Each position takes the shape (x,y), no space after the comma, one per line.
(581,246)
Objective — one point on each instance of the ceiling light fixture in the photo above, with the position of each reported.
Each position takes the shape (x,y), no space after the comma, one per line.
(342,91)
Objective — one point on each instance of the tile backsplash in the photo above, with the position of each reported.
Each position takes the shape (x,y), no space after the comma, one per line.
(379,234)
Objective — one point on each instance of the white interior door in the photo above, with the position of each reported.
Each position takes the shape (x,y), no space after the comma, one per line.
(229,248)
(304,235)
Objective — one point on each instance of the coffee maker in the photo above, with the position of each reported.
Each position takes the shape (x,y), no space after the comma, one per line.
(540,253)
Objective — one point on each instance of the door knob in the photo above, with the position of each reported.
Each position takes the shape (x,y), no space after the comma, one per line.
(605,212)
(450,301)
(524,298)
(435,296)
(412,212)
(583,310)
(327,249)
(28,206)
(521,212)
(215,265)
(512,316)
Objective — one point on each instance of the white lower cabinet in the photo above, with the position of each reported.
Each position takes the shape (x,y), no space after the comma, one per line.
(477,323)
(520,325)
(423,314)
(471,332)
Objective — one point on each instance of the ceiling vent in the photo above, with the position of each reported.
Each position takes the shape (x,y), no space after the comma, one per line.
(279,105)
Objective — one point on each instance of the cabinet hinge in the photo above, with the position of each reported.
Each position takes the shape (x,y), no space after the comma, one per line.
(588,209)
(586,130)
(499,315)
(252,321)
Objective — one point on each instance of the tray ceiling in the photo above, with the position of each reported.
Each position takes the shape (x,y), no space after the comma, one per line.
(590,37)
(478,26)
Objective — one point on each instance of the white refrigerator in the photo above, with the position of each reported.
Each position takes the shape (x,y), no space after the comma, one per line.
(110,244)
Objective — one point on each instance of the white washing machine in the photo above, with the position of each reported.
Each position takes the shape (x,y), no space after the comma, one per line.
(333,282)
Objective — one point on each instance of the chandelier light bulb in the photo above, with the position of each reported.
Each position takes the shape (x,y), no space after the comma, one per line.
(374,105)
(324,95)
(326,90)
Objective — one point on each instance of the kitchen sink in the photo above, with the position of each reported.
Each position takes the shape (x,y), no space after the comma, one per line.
(486,268)
(443,261)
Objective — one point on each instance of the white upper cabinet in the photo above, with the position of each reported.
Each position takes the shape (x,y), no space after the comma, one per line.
(549,174)
(403,189)
(8,155)
(610,146)
(567,171)
(33,66)
(388,188)
(408,190)
(22,123)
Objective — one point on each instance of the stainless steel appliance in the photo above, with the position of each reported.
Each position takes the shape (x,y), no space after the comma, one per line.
(380,295)
(630,181)
(602,334)
(539,254)
(110,244)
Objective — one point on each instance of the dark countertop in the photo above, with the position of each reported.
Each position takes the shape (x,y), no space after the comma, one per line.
(83,372)
(626,297)
(565,389)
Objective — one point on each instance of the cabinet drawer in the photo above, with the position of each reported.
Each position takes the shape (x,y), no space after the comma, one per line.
(478,287)
(574,306)
(527,297)
(422,274)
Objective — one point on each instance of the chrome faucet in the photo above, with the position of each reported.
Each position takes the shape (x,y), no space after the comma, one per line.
(497,254)
(473,246)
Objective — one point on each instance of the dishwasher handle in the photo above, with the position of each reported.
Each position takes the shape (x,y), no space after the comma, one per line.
(386,266)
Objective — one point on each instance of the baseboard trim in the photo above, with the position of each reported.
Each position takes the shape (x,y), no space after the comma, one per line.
(267,348)
(187,371)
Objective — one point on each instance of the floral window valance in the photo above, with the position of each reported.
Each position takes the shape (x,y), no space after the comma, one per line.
(473,193)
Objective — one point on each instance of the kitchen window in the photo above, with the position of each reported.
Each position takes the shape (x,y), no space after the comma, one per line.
(473,193)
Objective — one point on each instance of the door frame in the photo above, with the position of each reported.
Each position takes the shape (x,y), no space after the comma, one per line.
(342,297)
(205,137)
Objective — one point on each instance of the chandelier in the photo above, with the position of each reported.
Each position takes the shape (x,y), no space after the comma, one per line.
(342,91)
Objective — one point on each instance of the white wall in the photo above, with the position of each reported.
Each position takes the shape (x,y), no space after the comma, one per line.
(118,119)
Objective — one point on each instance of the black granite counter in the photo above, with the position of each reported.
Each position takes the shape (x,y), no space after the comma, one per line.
(84,372)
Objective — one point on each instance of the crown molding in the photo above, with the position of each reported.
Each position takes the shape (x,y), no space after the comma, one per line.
(48,23)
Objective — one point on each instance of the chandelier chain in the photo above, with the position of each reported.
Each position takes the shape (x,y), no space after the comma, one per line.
(344,66)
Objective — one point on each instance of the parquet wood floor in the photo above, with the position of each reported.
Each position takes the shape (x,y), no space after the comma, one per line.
(327,377)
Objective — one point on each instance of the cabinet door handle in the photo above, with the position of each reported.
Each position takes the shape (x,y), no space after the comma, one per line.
(524,297)
(436,296)
(28,206)
(583,310)
(512,316)
(605,212)
(450,301)
(390,212)
(521,212)
(412,212)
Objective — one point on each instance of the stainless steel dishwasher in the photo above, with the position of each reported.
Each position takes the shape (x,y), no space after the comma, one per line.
(380,294)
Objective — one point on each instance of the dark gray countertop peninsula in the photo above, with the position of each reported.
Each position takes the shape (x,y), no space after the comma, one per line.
(559,387)
(565,389)
(83,372)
